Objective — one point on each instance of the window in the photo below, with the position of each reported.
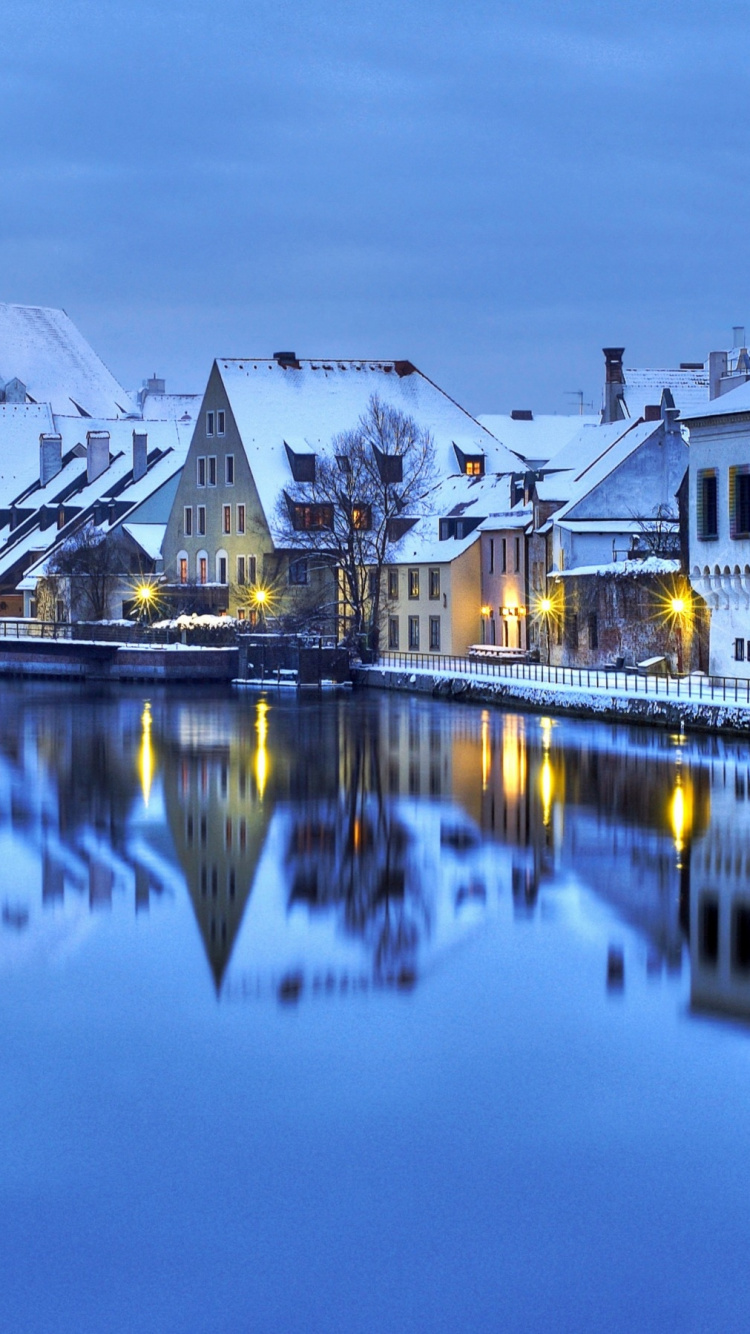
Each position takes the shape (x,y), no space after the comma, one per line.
(362,517)
(413,632)
(201,519)
(739,650)
(227,518)
(201,473)
(220,421)
(183,570)
(504,556)
(393,632)
(492,555)
(229,469)
(372,584)
(298,571)
(593,630)
(708,923)
(393,585)
(312,516)
(209,423)
(741,938)
(188,521)
(413,583)
(222,569)
(240,569)
(212,470)
(434,584)
(240,518)
(241,614)
(203,569)
(474,467)
(435,634)
(707,504)
(739,502)
(518,555)
(252,565)
(571,629)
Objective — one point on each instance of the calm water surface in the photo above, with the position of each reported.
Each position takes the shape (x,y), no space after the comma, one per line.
(375,1014)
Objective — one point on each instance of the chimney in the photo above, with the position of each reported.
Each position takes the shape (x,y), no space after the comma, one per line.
(97,454)
(717,367)
(614,386)
(738,335)
(140,454)
(50,457)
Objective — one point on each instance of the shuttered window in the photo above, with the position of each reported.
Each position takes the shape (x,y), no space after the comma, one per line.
(739,501)
(707,505)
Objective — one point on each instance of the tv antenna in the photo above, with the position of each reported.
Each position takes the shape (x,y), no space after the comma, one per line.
(578,394)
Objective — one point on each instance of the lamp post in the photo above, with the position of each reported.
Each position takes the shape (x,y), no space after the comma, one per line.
(545,611)
(678,607)
(145,596)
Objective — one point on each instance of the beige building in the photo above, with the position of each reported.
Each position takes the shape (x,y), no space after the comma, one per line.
(261,426)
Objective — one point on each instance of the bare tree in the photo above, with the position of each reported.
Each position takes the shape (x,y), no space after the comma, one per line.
(86,569)
(659,535)
(355,507)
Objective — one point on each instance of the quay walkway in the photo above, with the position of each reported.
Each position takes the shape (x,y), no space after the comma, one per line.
(713,702)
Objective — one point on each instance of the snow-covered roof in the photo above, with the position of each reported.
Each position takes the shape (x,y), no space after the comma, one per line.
(148,536)
(21,425)
(486,499)
(31,543)
(273,403)
(538,440)
(171,407)
(622,568)
(738,400)
(632,525)
(689,386)
(43,348)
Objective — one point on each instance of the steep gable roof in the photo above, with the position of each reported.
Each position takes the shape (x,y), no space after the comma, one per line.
(42,348)
(312,400)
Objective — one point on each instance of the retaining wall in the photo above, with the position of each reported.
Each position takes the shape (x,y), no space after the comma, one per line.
(543,698)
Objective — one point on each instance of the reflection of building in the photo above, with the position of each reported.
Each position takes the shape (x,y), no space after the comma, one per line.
(73,775)
(718,910)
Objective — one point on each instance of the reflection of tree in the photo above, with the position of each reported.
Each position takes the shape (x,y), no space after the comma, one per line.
(354,854)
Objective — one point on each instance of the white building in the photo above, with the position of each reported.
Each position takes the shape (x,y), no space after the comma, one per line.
(720,526)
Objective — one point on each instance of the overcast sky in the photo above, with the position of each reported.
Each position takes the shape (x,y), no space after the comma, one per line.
(493,190)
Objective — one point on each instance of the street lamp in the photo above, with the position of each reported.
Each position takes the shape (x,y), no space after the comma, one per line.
(145,597)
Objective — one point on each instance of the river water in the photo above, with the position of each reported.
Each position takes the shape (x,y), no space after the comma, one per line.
(374,1014)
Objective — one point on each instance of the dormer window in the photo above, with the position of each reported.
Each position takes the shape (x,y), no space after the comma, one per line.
(301,464)
(390,466)
(471,465)
(306,517)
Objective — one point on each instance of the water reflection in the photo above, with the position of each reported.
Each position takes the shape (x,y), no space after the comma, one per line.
(350,844)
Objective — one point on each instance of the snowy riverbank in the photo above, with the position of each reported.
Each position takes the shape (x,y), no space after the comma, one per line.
(605,701)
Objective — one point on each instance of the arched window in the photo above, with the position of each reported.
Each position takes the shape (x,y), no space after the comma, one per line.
(222,566)
(201,567)
(183,567)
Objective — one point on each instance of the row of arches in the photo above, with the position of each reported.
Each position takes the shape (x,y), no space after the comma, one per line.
(722,586)
(203,572)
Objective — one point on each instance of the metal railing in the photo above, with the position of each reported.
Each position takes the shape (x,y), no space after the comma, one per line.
(31,628)
(712,689)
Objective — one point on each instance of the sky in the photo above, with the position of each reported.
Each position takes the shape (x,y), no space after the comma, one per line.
(492,190)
